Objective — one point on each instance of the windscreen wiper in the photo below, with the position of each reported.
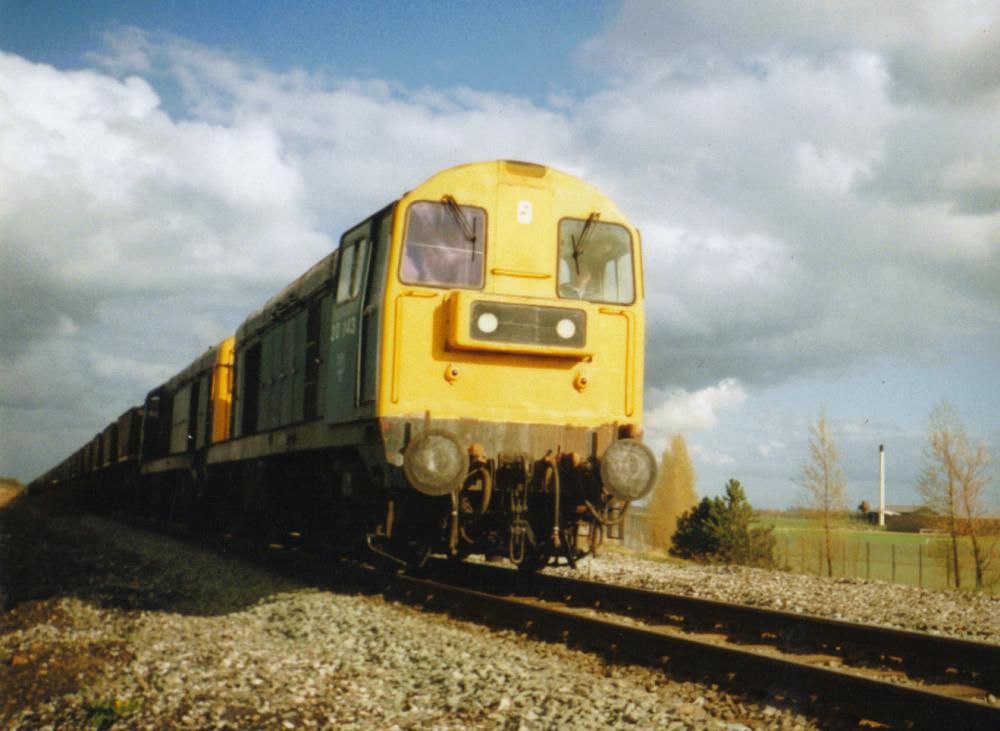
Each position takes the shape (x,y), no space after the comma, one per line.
(468,229)
(584,235)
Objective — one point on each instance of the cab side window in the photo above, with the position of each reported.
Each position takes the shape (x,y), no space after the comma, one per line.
(351,273)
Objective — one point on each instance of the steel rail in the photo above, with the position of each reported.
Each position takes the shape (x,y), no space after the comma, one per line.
(861,696)
(977,660)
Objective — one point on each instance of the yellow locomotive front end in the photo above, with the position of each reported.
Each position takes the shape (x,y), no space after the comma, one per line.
(511,360)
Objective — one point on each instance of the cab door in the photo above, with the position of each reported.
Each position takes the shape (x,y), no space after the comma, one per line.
(371,312)
(343,352)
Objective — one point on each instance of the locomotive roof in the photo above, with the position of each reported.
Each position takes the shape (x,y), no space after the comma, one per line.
(202,363)
(570,190)
(317,278)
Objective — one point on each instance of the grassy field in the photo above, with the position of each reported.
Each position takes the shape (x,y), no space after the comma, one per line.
(863,551)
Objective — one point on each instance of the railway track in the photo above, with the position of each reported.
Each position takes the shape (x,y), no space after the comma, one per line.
(861,673)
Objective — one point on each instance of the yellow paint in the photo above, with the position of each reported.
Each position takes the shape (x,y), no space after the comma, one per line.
(397,350)
(423,335)
(222,390)
(630,363)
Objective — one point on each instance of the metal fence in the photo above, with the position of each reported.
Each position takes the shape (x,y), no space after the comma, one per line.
(923,561)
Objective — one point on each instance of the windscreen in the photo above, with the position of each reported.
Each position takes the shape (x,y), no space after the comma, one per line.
(444,246)
(595,261)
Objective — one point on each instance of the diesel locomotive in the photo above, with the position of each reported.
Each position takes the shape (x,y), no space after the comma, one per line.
(463,374)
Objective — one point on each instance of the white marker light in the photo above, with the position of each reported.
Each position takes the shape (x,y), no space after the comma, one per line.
(487,323)
(565,329)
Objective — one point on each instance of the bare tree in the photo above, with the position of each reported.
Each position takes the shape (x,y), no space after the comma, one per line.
(822,481)
(673,494)
(954,484)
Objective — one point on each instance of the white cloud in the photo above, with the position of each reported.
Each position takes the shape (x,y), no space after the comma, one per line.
(830,171)
(703,455)
(771,446)
(133,370)
(681,411)
(942,50)
(104,192)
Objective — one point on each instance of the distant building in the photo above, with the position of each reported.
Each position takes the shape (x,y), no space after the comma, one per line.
(906,518)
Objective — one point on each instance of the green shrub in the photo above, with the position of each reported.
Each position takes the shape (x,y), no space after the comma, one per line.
(720,530)
(105,712)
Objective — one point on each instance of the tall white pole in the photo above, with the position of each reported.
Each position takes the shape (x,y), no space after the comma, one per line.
(881,485)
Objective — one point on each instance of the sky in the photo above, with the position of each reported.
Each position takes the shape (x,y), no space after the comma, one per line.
(817,185)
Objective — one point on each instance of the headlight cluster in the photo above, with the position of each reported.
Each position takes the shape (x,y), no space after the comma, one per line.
(528,324)
(487,323)
(566,328)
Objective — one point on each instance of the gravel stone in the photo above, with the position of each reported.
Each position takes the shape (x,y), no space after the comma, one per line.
(134,630)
